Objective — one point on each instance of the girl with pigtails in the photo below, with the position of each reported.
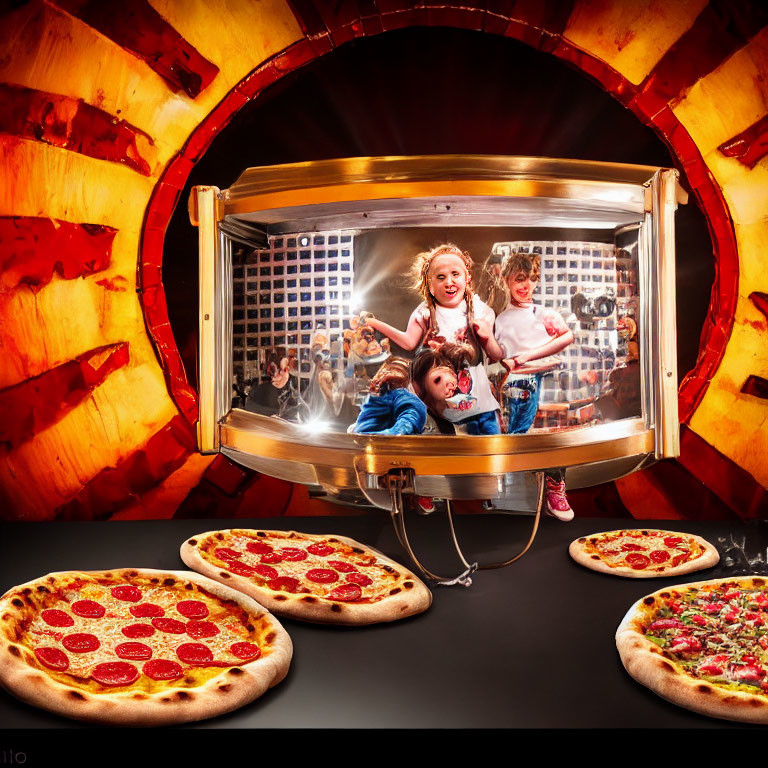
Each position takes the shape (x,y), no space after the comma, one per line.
(452,313)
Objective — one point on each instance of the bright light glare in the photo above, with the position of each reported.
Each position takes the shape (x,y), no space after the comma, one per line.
(315,425)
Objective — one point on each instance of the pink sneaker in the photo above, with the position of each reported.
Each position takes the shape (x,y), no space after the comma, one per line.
(557,501)
(425,505)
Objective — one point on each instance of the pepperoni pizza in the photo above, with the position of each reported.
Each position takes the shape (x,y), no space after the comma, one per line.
(323,579)
(644,554)
(703,646)
(137,646)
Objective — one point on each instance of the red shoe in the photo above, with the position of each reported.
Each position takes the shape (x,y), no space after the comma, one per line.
(557,501)
(425,505)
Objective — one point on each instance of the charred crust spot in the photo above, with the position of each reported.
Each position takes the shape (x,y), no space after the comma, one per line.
(665,594)
(395,591)
(218,536)
(224,688)
(17,603)
(595,557)
(336,608)
(334,540)
(756,703)
(76,695)
(132,573)
(235,671)
(758,582)
(649,600)
(280,597)
(108,575)
(270,638)
(189,680)
(183,695)
(703,689)
(192,542)
(388,568)
(154,580)
(189,587)
(666,666)
(644,533)
(51,580)
(169,582)
(43,589)
(224,575)
(165,699)
(408,585)
(358,551)
(27,590)
(14,651)
(582,540)
(292,535)
(261,534)
(309,599)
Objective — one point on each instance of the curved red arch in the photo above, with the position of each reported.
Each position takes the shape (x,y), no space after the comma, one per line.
(649,102)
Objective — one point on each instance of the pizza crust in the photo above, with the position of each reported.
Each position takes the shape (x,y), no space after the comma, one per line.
(409,595)
(232,688)
(709,557)
(650,666)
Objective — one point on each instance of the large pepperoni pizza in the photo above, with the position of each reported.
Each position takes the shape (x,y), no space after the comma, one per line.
(644,553)
(703,646)
(324,579)
(137,646)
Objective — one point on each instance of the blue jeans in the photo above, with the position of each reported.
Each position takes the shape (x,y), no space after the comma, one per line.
(520,397)
(483,424)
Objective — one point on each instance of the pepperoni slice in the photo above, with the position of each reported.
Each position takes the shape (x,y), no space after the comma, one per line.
(346,592)
(88,609)
(672,541)
(133,651)
(138,630)
(126,592)
(247,651)
(225,553)
(200,629)
(192,609)
(320,549)
(56,618)
(292,554)
(258,547)
(162,669)
(194,653)
(241,569)
(322,576)
(271,558)
(632,548)
(146,610)
(659,556)
(81,642)
(115,673)
(172,626)
(267,571)
(53,658)
(636,561)
(360,579)
(286,584)
(341,566)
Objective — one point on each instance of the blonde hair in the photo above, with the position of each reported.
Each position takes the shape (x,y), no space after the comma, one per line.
(512,264)
(420,272)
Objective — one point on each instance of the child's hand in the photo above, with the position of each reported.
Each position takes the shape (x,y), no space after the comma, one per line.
(483,330)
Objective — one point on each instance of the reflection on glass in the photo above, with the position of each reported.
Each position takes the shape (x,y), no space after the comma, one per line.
(316,314)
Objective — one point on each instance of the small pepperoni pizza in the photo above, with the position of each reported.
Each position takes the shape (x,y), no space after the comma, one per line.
(137,646)
(703,646)
(322,579)
(644,554)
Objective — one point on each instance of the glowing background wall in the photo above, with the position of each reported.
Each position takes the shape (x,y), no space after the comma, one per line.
(104,111)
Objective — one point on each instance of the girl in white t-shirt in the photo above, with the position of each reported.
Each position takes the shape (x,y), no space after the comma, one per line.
(451,313)
(525,332)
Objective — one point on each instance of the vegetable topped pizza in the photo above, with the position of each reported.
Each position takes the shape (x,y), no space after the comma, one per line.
(318,578)
(703,645)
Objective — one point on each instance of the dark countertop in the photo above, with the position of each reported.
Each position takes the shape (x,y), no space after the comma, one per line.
(529,646)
